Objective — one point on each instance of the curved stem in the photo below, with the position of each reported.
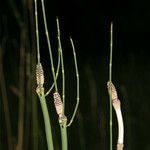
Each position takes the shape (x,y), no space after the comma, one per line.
(120,125)
(77,76)
(46,121)
(57,72)
(117,107)
(49,46)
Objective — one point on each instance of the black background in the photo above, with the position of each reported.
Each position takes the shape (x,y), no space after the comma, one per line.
(88,23)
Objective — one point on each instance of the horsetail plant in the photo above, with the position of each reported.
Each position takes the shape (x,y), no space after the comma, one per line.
(59,104)
(110,78)
(57,100)
(40,88)
(113,98)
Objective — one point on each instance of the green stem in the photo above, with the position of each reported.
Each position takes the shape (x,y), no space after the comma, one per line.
(64,137)
(57,72)
(49,46)
(110,78)
(62,65)
(77,76)
(46,121)
(62,126)
(37,32)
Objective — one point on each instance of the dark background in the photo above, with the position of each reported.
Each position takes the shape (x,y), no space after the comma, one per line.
(88,23)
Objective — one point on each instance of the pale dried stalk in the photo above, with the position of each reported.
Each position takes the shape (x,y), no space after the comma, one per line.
(117,107)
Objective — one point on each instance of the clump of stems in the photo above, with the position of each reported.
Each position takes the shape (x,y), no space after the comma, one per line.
(59,104)
(40,88)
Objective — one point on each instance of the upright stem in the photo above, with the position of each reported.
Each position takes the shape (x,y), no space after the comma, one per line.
(37,32)
(62,65)
(64,137)
(46,122)
(110,78)
(63,124)
(41,94)
(49,46)
(57,72)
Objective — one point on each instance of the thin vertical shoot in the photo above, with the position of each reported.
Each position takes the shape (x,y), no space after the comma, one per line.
(49,46)
(37,32)
(62,64)
(57,72)
(77,76)
(110,80)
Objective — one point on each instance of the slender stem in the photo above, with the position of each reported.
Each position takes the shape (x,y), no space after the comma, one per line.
(62,126)
(62,65)
(111,50)
(64,137)
(46,121)
(37,32)
(49,46)
(77,76)
(110,78)
(57,72)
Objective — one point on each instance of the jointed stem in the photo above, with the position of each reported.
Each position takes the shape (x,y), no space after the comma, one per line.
(77,76)
(40,85)
(37,32)
(49,46)
(110,78)
(57,72)
(63,124)
(62,65)
(46,121)
(64,137)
